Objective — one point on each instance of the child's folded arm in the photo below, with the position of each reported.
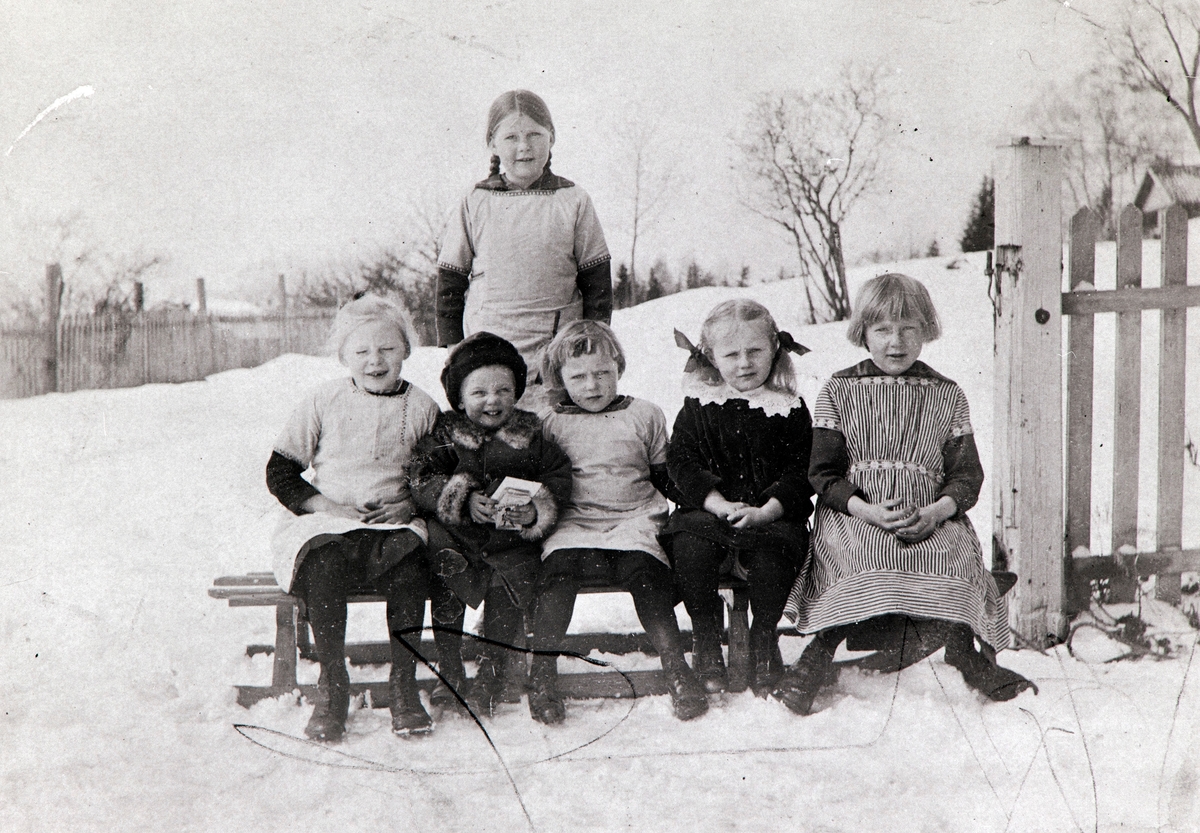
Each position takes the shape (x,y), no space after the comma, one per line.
(555,477)
(660,478)
(693,482)
(963,472)
(285,482)
(827,468)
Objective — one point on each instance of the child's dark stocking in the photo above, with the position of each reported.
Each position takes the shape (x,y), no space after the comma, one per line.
(698,569)
(406,587)
(504,621)
(322,583)
(771,574)
(558,586)
(448,615)
(799,685)
(649,583)
(981,671)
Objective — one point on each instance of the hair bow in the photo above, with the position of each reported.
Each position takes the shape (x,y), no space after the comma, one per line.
(697,360)
(786,342)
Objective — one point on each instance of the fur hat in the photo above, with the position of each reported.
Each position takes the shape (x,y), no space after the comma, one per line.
(476,351)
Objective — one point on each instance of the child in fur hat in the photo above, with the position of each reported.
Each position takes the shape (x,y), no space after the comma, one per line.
(476,554)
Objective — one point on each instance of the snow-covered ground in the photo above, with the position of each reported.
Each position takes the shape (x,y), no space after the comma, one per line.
(116,669)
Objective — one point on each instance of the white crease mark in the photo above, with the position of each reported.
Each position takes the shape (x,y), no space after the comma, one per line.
(78,92)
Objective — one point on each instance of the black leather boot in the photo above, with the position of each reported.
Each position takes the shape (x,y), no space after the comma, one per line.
(688,700)
(980,672)
(545,703)
(408,715)
(766,662)
(330,705)
(814,670)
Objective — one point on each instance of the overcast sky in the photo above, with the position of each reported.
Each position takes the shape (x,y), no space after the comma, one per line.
(234,139)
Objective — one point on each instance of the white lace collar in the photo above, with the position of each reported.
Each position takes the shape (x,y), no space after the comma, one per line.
(770,402)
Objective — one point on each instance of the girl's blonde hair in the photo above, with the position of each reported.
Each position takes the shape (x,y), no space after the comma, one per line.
(579,338)
(893,297)
(782,377)
(524,103)
(365,310)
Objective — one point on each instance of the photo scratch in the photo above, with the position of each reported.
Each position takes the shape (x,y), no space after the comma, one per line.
(79,92)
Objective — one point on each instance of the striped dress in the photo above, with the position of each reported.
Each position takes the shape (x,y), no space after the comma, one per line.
(881,437)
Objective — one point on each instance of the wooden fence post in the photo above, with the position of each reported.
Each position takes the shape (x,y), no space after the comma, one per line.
(54,293)
(1027,477)
(201,298)
(1171,400)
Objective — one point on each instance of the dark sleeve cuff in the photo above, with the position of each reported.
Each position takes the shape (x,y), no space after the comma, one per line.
(661,480)
(964,472)
(285,482)
(595,285)
(837,495)
(449,305)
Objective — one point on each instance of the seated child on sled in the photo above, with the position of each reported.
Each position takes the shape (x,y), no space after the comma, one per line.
(609,530)
(895,469)
(738,459)
(482,550)
(352,525)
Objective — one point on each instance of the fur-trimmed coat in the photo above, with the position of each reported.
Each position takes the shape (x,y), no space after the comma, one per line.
(458,457)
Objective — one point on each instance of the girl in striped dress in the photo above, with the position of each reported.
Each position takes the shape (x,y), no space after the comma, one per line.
(895,469)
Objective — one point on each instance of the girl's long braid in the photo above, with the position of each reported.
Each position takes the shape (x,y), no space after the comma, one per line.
(495,169)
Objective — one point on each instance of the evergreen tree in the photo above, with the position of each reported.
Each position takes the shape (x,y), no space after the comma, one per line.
(980,232)
(623,290)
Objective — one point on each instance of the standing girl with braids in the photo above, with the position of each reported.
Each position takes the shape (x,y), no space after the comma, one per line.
(738,459)
(524,254)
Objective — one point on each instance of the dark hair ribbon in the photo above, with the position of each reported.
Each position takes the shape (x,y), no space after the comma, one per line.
(697,360)
(786,342)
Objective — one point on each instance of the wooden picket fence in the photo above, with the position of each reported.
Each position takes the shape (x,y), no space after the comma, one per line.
(1120,570)
(1045,446)
(116,351)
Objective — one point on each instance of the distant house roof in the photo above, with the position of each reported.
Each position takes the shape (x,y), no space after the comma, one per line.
(1165,184)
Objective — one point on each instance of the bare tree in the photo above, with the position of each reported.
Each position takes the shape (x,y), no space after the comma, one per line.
(811,156)
(651,180)
(1159,54)
(1108,137)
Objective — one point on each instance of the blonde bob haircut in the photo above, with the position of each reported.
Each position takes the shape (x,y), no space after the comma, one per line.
(579,338)
(744,312)
(366,310)
(893,297)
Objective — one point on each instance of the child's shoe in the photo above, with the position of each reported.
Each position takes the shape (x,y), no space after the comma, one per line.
(408,715)
(767,663)
(688,700)
(814,670)
(709,666)
(444,697)
(330,705)
(980,672)
(545,702)
(483,692)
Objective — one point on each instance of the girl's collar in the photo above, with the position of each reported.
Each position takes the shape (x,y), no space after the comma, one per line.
(566,406)
(867,367)
(548,181)
(397,392)
(770,402)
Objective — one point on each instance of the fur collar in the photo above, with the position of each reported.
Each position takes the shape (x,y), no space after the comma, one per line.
(546,182)
(520,430)
(770,402)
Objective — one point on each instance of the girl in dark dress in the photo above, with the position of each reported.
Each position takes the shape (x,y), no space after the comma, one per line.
(738,458)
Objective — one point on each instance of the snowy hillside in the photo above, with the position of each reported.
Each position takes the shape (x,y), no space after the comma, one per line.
(116,669)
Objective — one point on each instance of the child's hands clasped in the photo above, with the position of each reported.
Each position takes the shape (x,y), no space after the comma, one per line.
(400,512)
(910,523)
(483,508)
(743,515)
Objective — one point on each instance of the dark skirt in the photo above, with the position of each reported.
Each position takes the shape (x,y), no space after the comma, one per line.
(782,535)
